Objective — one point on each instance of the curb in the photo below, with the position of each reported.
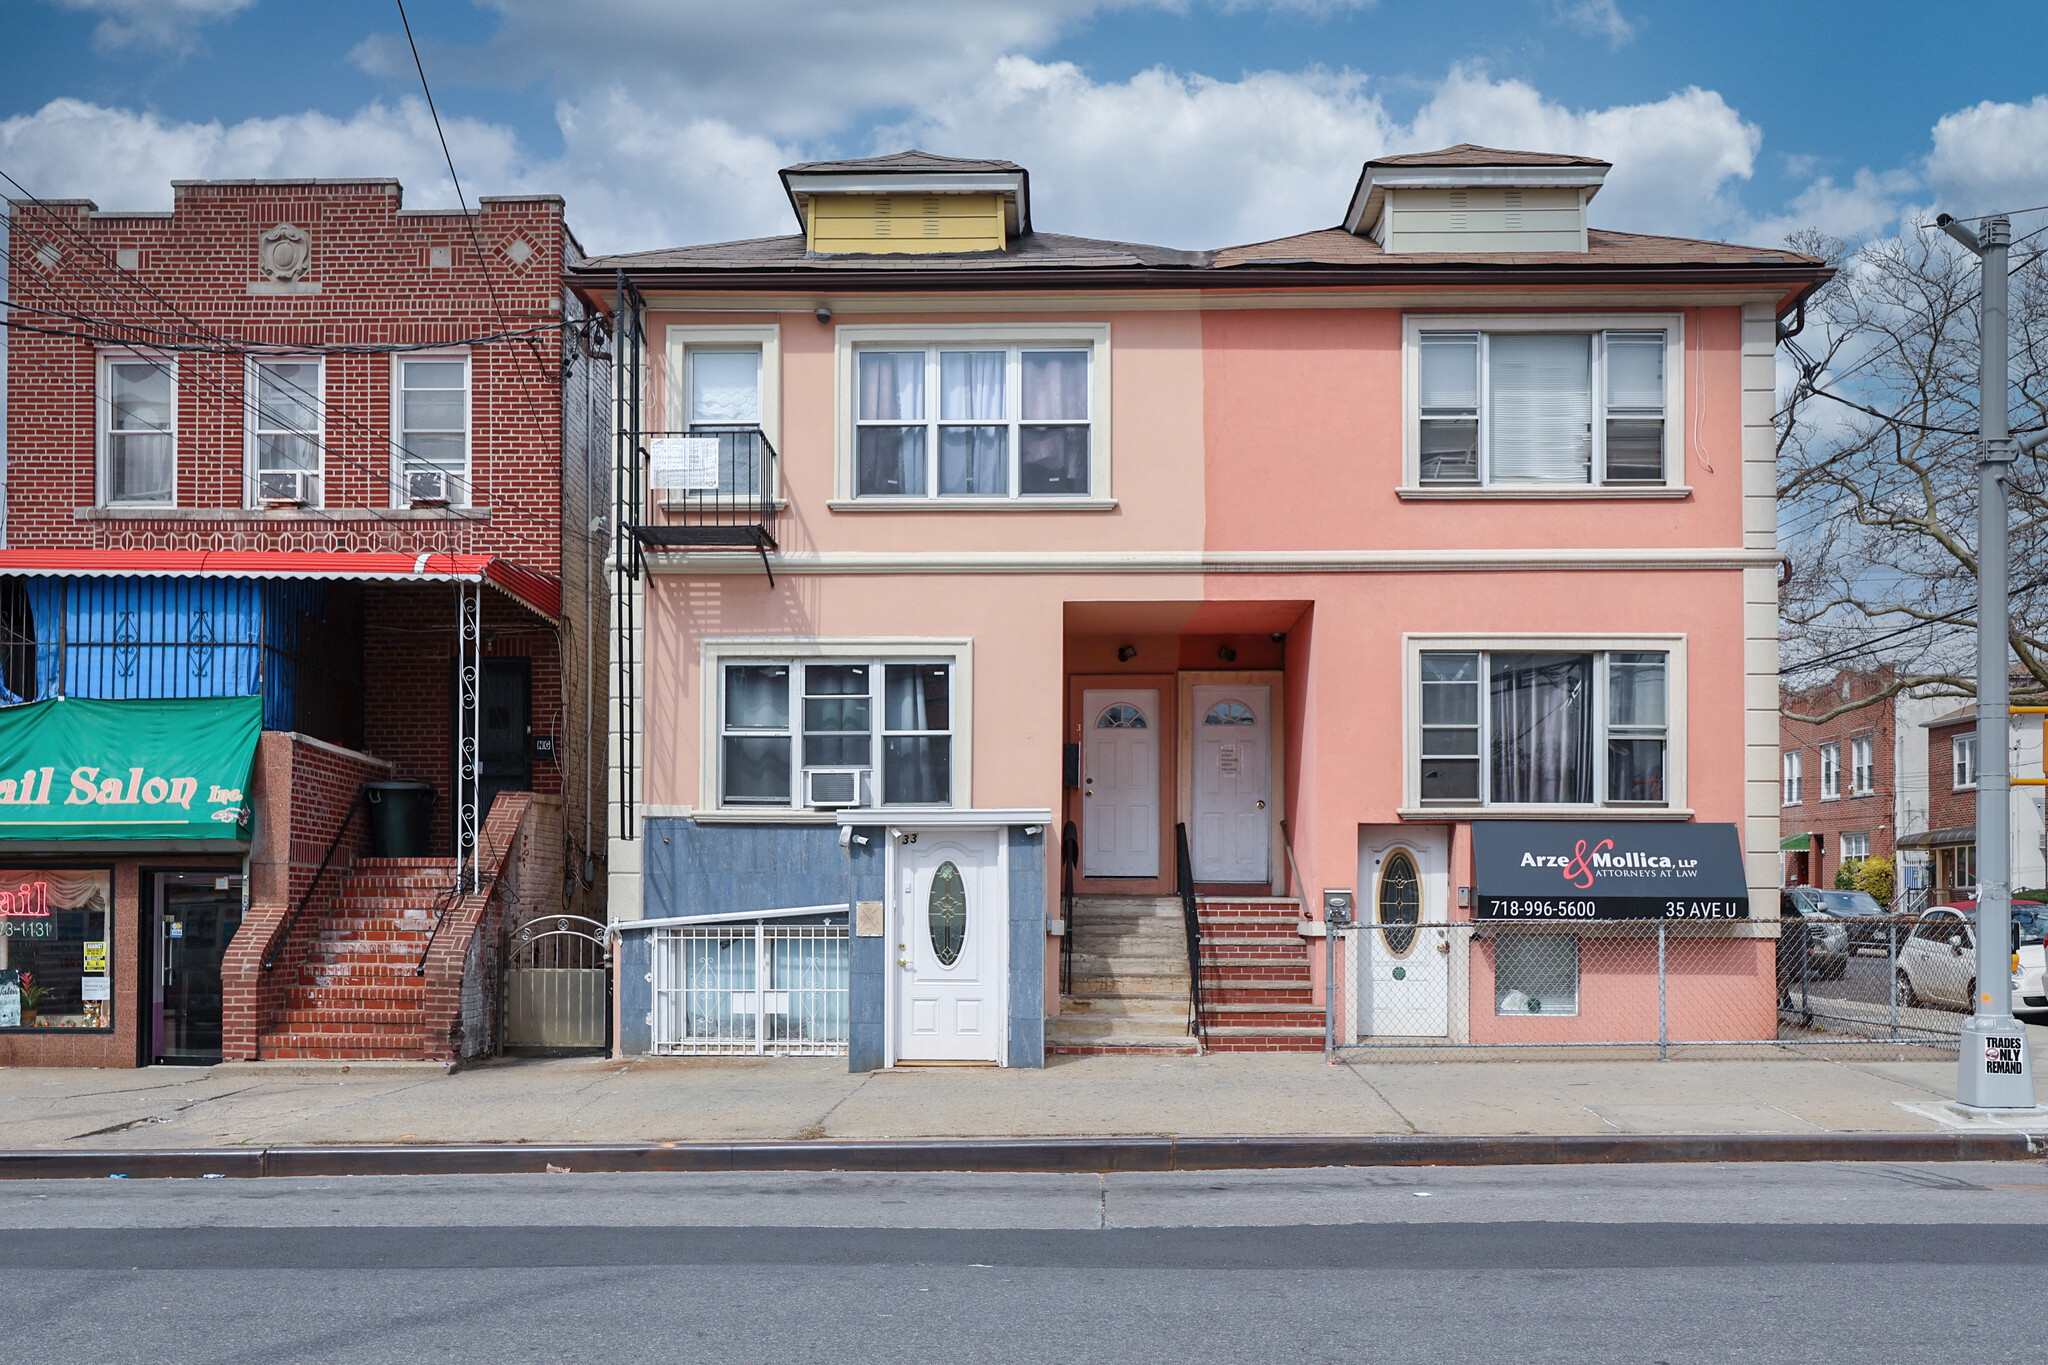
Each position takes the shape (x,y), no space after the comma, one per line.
(1016,1154)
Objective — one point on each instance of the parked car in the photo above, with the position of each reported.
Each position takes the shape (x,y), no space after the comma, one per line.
(1868,922)
(1812,946)
(2029,989)
(1938,962)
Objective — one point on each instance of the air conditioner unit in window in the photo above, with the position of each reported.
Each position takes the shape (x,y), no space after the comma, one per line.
(300,487)
(428,487)
(838,787)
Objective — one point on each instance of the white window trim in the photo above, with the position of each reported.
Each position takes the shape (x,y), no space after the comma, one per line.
(1675,805)
(1955,749)
(712,656)
(1676,419)
(395,422)
(846,392)
(1792,775)
(251,401)
(674,412)
(103,423)
(1863,776)
(1847,856)
(1831,767)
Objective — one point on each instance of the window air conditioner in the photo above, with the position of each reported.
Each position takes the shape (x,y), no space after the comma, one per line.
(838,787)
(426,486)
(297,486)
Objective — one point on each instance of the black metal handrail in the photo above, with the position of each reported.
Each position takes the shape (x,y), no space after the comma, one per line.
(1184,870)
(1070,855)
(291,921)
(466,883)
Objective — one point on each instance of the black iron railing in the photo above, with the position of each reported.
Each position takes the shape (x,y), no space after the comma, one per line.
(277,944)
(1184,871)
(1070,855)
(714,497)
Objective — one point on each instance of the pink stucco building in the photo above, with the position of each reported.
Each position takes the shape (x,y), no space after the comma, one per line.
(1329,560)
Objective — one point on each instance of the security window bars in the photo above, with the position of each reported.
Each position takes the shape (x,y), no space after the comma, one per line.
(138,433)
(1830,772)
(1965,752)
(1795,777)
(1862,766)
(1553,729)
(433,431)
(779,718)
(285,431)
(985,422)
(1541,408)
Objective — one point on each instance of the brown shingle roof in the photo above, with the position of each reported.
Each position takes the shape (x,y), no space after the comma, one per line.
(787,253)
(1335,246)
(911,160)
(1470,154)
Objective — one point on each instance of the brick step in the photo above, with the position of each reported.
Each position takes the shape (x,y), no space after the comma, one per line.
(393,932)
(1250,963)
(1279,997)
(365,998)
(329,975)
(327,1019)
(339,1046)
(1253,1040)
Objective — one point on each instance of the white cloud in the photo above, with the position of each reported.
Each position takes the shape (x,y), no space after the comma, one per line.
(1991,156)
(163,25)
(1596,19)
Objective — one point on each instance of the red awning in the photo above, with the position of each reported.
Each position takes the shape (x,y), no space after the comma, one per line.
(539,591)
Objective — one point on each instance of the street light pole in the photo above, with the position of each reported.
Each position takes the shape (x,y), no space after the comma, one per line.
(1992,1070)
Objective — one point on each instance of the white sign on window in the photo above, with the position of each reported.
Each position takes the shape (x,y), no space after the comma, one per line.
(684,463)
(93,988)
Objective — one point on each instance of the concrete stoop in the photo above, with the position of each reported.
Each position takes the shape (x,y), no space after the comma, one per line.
(1130,981)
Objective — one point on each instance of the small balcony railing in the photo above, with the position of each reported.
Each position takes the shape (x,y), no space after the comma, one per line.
(709,488)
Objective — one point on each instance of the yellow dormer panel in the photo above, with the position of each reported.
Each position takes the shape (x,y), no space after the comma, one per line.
(904,224)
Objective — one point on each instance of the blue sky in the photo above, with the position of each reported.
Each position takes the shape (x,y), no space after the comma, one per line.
(1191,122)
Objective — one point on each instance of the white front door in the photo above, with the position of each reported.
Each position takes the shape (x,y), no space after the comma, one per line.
(1233,830)
(1404,893)
(1120,783)
(949,921)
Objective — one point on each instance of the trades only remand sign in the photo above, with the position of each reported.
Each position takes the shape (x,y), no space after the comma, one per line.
(1562,870)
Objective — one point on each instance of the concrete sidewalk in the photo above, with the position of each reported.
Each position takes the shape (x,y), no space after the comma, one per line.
(591,1100)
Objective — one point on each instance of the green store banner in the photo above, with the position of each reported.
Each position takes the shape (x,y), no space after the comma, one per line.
(71,768)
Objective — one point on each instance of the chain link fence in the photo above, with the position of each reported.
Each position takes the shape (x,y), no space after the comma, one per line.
(1897,987)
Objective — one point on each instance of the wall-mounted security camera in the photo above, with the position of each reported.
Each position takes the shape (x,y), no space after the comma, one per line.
(823,314)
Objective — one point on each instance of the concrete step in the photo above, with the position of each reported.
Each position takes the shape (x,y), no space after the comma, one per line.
(1149,1007)
(1120,1034)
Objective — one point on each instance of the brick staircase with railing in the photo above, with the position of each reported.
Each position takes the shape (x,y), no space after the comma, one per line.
(358,994)
(1257,992)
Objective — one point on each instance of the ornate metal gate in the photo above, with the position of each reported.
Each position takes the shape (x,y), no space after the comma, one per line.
(557,993)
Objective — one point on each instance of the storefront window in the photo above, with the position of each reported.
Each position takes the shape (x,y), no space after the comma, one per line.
(54,959)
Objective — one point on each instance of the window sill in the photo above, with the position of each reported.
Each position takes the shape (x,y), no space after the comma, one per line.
(1038,504)
(783,815)
(324,514)
(1575,492)
(1421,813)
(720,504)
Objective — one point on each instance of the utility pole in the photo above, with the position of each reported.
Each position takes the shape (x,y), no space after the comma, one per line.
(1992,1071)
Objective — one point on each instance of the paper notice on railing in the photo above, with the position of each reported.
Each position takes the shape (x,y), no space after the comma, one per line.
(683,463)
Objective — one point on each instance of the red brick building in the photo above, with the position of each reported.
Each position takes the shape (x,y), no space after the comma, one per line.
(1839,778)
(292,440)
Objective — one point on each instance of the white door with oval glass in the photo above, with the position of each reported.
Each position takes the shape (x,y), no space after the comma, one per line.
(1120,783)
(1233,776)
(946,936)
(1405,890)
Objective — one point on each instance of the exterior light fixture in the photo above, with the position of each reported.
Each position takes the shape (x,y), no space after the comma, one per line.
(1126,653)
(1227,654)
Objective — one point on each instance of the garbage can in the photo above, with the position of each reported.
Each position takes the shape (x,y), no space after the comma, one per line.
(401,819)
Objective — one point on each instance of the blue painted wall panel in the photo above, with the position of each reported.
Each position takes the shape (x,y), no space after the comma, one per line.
(1027,948)
(635,961)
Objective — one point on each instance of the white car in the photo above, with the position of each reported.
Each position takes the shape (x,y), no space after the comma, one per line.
(1938,961)
(2029,989)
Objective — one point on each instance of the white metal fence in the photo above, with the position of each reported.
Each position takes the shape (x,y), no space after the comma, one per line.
(750,988)
(1649,985)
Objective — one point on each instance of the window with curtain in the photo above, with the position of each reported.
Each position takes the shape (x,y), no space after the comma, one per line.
(723,401)
(1541,408)
(1795,777)
(1501,728)
(284,429)
(1862,765)
(139,417)
(972,421)
(780,717)
(1830,772)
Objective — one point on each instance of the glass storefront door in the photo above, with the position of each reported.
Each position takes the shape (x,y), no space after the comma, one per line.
(195,919)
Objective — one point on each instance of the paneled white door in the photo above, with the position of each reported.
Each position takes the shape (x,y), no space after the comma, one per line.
(950,915)
(1233,771)
(1120,783)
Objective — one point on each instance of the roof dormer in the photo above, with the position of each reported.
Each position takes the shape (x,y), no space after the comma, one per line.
(1475,199)
(909,203)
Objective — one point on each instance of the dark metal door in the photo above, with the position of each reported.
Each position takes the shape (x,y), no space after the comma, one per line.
(505,735)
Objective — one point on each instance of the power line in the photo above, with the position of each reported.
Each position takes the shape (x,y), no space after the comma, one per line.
(1952,619)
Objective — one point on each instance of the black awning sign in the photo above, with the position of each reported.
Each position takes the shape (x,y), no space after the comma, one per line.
(1563,870)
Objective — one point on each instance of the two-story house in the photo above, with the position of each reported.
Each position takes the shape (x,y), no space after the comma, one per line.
(1939,849)
(1025,640)
(299,568)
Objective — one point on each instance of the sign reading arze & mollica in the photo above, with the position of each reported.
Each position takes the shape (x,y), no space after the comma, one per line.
(1564,870)
(72,768)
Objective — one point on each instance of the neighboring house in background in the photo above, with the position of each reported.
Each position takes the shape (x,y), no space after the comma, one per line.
(1847,785)
(1942,852)
(1439,540)
(323,468)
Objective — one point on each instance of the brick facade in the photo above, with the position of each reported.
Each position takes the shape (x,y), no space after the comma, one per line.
(1870,813)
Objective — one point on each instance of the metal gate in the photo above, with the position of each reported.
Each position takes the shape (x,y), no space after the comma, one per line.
(557,994)
(773,989)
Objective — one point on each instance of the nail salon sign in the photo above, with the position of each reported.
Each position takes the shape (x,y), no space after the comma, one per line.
(73,768)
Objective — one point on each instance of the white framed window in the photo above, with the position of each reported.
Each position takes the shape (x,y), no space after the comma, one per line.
(1795,776)
(726,382)
(1558,405)
(1542,726)
(431,421)
(1535,973)
(992,417)
(1855,846)
(1862,765)
(833,724)
(138,431)
(285,417)
(1831,771)
(1964,750)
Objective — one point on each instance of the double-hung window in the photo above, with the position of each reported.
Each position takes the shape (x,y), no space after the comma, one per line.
(973,421)
(1862,765)
(1830,771)
(285,431)
(1964,748)
(1855,846)
(888,723)
(1542,408)
(432,422)
(1795,777)
(1502,728)
(138,432)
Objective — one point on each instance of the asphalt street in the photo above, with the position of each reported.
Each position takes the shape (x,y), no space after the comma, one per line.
(1843,1262)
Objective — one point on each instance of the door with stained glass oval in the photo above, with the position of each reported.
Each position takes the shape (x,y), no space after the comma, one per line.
(1405,954)
(947,930)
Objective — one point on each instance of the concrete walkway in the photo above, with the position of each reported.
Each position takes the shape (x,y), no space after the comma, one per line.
(723,1099)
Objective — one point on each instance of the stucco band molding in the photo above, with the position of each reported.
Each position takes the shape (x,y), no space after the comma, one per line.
(699,563)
